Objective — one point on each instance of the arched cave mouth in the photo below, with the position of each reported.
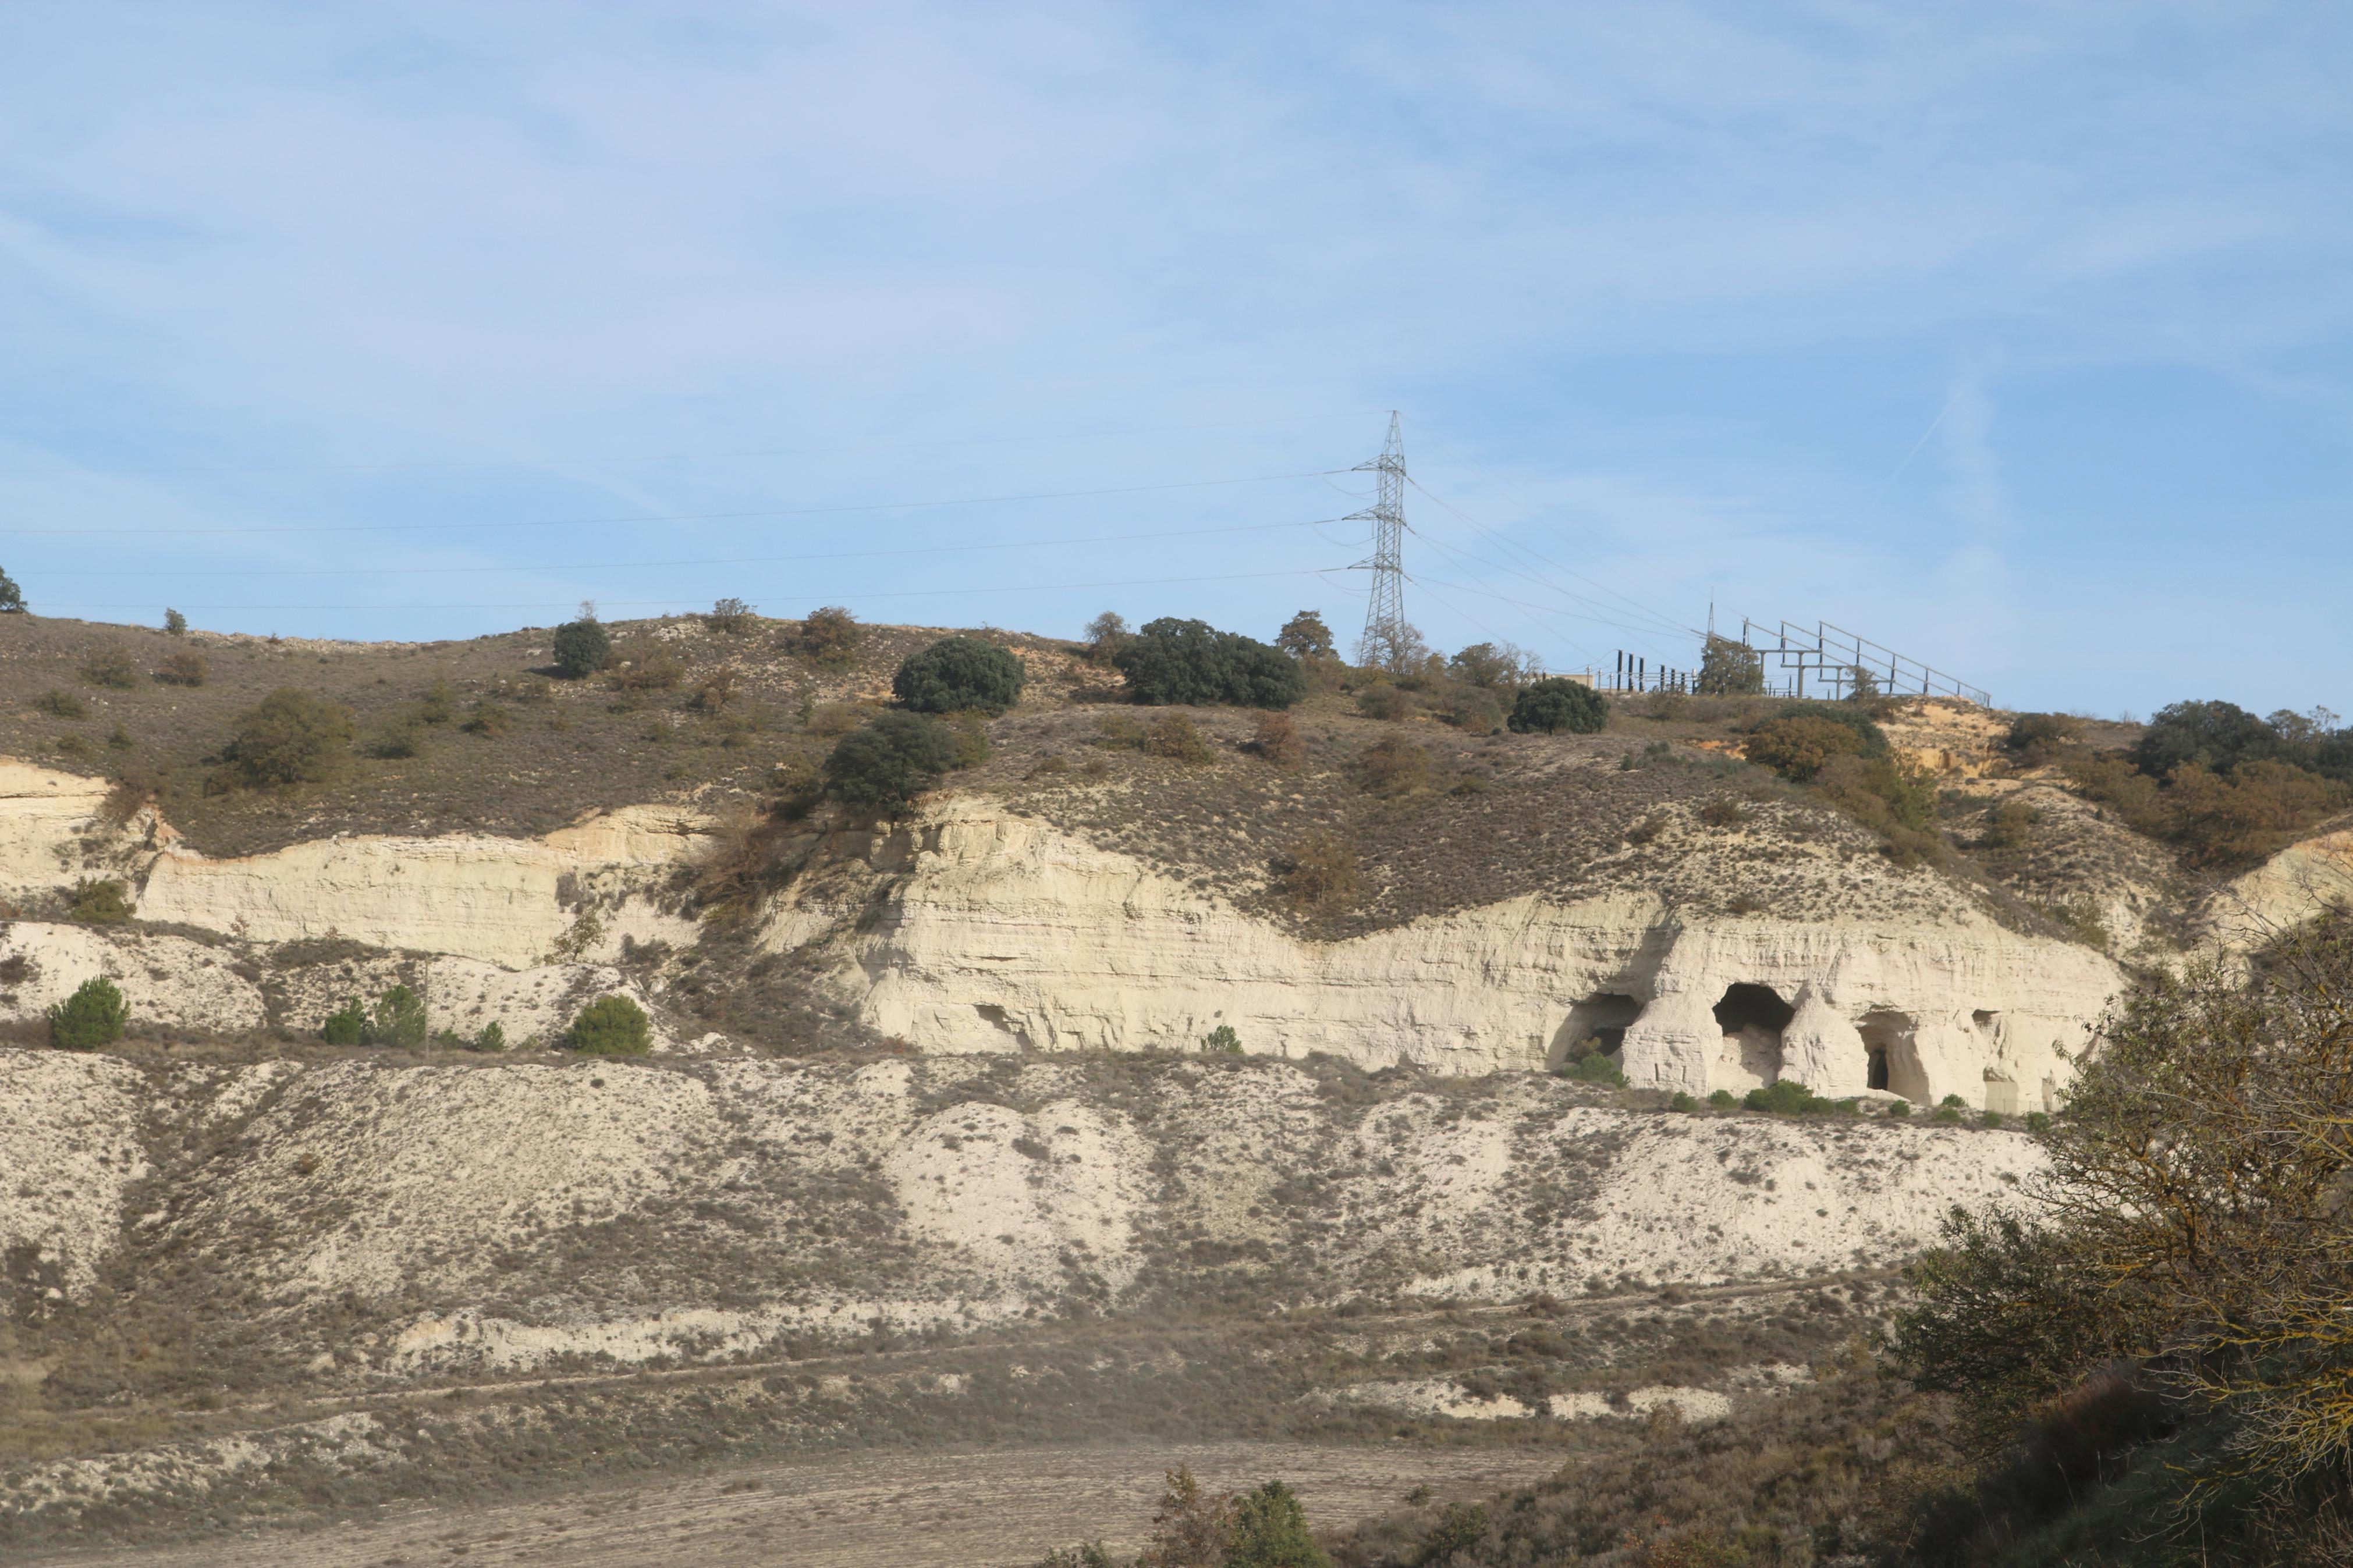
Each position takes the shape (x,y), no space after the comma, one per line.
(1599,1021)
(1752,1018)
(1894,1053)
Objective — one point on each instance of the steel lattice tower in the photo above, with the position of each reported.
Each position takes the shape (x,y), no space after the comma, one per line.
(1387,638)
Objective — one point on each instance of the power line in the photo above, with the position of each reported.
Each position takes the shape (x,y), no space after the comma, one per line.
(574,567)
(675,517)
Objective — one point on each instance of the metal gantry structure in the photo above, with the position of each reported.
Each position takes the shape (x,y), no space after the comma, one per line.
(1840,660)
(1387,638)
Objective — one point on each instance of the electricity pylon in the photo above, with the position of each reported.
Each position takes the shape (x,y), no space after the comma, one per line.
(1387,640)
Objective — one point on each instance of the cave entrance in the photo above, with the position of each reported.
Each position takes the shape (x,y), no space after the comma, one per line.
(1752,1018)
(1893,1052)
(1598,1023)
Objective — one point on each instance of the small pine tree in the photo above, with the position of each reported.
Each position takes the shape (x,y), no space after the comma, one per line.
(92,1016)
(346,1026)
(492,1038)
(1270,1530)
(611,1027)
(1223,1041)
(398,1020)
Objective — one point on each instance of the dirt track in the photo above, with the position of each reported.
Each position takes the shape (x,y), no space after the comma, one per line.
(938,1511)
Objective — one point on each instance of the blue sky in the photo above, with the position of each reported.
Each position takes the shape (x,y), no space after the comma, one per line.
(2019,337)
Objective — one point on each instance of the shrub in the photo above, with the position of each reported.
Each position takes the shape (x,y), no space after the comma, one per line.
(73,746)
(2216,736)
(109,667)
(92,1016)
(885,765)
(491,1038)
(2034,738)
(12,597)
(175,623)
(1473,709)
(1319,875)
(1799,746)
(346,1026)
(1723,811)
(1383,701)
(716,690)
(580,648)
(488,721)
(730,617)
(1729,668)
(1682,1102)
(1270,1530)
(645,665)
(2225,821)
(1990,1119)
(958,673)
(830,635)
(100,903)
(1276,738)
(1175,736)
(1899,1108)
(1118,733)
(398,1020)
(1948,1114)
(61,705)
(829,719)
(1593,1066)
(1304,636)
(2037,1123)
(1787,1096)
(1722,1100)
(291,737)
(969,731)
(1105,633)
(400,738)
(610,1027)
(1552,704)
(1223,1041)
(1646,830)
(182,669)
(1173,661)
(120,740)
(1394,767)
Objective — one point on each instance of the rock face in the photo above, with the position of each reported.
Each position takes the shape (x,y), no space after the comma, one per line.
(999,933)
(509,902)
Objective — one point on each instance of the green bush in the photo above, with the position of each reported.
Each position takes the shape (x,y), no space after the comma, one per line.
(730,617)
(12,597)
(1223,1041)
(291,737)
(1553,704)
(610,1027)
(100,903)
(1384,701)
(1899,1108)
(1595,1068)
(1787,1096)
(1176,737)
(61,705)
(970,733)
(1682,1101)
(959,673)
(175,623)
(1991,1118)
(1799,747)
(92,1016)
(109,667)
(1948,1114)
(1270,1530)
(346,1026)
(1722,1100)
(2037,1123)
(492,1038)
(580,648)
(886,765)
(1729,668)
(489,721)
(1173,661)
(398,1020)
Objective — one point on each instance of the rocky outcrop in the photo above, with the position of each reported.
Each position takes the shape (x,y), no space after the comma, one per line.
(997,933)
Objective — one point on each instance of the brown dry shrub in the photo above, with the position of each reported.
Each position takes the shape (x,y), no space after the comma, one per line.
(716,690)
(1798,747)
(831,635)
(2223,822)
(1723,811)
(1395,768)
(1278,741)
(1383,701)
(1319,875)
(1649,829)
(1175,736)
(183,670)
(646,667)
(835,718)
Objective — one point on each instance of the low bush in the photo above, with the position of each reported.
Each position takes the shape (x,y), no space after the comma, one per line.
(92,1016)
(580,648)
(610,1027)
(61,705)
(488,720)
(346,1026)
(730,617)
(401,738)
(1472,708)
(716,690)
(645,665)
(829,636)
(1799,747)
(1395,768)
(885,765)
(100,903)
(109,667)
(182,669)
(1554,705)
(398,1020)
(1223,1041)
(1118,733)
(76,746)
(290,737)
(1899,1108)
(1276,738)
(1787,1096)
(1723,811)
(1647,830)
(1682,1102)
(1319,875)
(1722,1100)
(1593,1066)
(1176,737)
(1383,701)
(830,719)
(2034,738)
(957,673)
(1173,661)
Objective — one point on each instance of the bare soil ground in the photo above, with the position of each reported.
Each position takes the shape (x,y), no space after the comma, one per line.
(903,1511)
